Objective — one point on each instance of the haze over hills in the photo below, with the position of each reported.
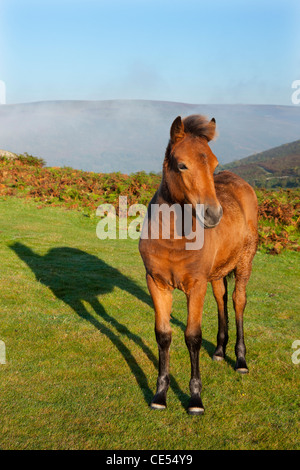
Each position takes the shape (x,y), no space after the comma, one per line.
(129,136)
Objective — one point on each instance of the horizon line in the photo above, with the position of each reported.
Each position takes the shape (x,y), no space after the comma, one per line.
(143,100)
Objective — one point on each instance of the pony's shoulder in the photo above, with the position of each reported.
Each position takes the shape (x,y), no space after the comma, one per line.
(231,188)
(228,179)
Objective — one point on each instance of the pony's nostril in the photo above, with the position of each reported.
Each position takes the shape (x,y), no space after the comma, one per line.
(211,212)
(212,215)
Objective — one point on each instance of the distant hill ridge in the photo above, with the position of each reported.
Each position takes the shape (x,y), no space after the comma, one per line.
(276,167)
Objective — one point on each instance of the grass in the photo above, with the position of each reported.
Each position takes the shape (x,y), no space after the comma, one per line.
(81,367)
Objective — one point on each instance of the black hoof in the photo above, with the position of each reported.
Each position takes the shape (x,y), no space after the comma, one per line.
(241,366)
(195,407)
(219,354)
(218,358)
(242,370)
(157,406)
(195,411)
(158,402)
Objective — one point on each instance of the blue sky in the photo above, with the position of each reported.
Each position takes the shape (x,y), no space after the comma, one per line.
(187,51)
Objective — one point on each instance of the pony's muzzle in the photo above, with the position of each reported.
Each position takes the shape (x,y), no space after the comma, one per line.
(212,215)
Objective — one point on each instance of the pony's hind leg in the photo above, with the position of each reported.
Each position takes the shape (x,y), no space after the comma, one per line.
(239,302)
(162,300)
(220,293)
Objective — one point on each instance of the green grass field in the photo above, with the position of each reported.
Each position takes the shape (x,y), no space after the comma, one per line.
(78,326)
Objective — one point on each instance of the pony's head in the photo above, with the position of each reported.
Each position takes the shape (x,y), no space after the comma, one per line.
(189,166)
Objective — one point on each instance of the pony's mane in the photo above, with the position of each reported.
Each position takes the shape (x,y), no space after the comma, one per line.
(199,126)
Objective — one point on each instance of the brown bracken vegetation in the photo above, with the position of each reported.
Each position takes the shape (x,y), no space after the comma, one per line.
(27,177)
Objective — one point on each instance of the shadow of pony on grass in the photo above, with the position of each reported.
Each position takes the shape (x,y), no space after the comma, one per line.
(75,277)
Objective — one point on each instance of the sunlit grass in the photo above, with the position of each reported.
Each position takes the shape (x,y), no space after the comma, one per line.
(81,368)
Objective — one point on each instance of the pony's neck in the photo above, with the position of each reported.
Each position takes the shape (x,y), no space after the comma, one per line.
(164,192)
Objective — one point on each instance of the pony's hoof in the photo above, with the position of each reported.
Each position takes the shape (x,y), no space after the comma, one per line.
(241,366)
(242,370)
(157,406)
(159,402)
(218,358)
(195,411)
(195,407)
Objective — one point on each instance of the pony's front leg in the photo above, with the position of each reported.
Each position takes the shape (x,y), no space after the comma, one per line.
(162,300)
(193,339)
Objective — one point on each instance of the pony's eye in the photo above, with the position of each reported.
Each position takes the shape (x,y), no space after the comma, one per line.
(182,167)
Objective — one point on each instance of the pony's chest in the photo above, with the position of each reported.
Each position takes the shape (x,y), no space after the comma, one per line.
(173,267)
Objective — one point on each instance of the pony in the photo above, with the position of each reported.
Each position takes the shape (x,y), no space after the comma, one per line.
(229,223)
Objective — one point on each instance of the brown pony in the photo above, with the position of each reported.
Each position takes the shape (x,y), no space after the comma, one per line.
(230,243)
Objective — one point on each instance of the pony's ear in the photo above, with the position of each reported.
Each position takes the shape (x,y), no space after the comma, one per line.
(177,130)
(210,130)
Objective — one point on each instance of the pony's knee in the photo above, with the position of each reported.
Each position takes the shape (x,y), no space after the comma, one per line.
(193,339)
(163,338)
